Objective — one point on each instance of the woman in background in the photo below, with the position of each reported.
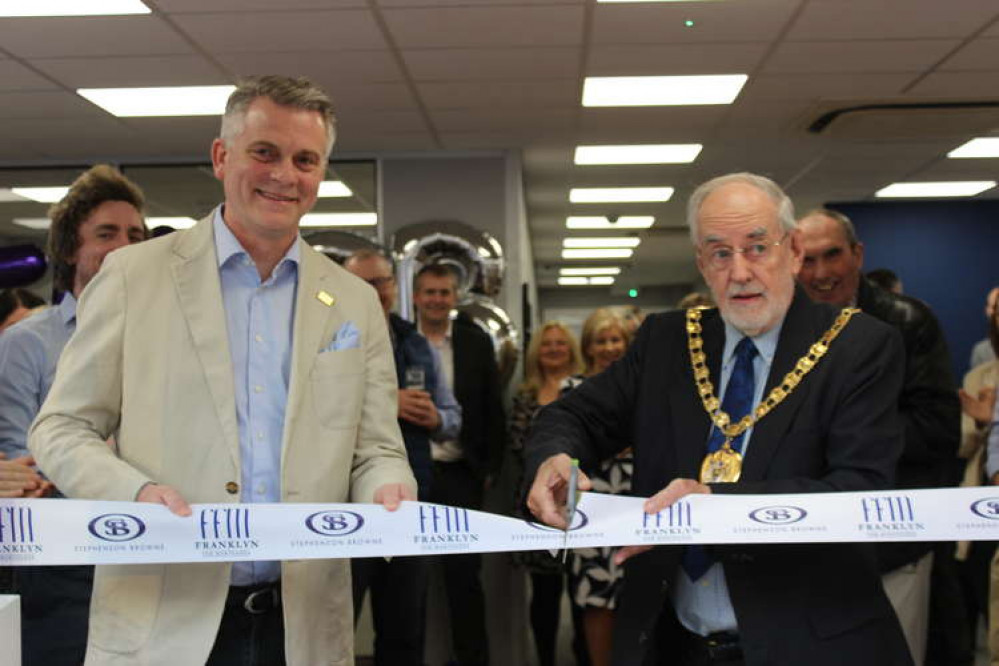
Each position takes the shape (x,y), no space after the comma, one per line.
(552,360)
(15,305)
(594,577)
(978,399)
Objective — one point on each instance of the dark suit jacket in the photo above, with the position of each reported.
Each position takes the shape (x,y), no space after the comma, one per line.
(477,389)
(839,430)
(929,407)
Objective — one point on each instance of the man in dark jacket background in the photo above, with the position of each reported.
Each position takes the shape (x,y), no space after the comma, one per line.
(426,407)
(929,407)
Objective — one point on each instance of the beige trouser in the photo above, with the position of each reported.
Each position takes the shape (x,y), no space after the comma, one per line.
(908,589)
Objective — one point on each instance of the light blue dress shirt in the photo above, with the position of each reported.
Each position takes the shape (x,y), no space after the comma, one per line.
(704,606)
(260,319)
(29,352)
(445,402)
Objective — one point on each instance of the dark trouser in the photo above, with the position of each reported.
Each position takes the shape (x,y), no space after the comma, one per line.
(55,613)
(252,628)
(398,605)
(456,485)
(546,602)
(974,573)
(949,640)
(676,646)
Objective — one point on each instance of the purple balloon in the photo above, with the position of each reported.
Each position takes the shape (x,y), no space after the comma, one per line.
(20,265)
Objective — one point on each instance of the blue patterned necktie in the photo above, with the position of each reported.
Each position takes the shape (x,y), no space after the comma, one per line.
(737,403)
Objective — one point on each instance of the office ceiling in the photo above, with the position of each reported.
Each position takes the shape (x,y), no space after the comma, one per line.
(456,75)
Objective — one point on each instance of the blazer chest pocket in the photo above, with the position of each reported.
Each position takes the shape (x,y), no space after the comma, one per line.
(338,387)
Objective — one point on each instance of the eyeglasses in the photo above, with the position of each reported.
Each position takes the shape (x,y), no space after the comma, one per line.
(720,257)
(378,282)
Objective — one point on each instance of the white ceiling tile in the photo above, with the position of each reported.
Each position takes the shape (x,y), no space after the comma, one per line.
(364,98)
(858,56)
(733,21)
(674,59)
(891,19)
(815,86)
(90,36)
(114,72)
(957,85)
(558,93)
(980,54)
(482,27)
(47,104)
(282,31)
(467,3)
(382,140)
(489,64)
(197,6)
(15,76)
(345,66)
(358,121)
(666,123)
(490,120)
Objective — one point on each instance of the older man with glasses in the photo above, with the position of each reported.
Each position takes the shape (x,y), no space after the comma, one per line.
(718,401)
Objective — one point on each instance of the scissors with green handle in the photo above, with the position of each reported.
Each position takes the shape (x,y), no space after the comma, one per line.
(571,499)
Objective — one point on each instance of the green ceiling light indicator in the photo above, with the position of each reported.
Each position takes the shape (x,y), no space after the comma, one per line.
(689,23)
(633,293)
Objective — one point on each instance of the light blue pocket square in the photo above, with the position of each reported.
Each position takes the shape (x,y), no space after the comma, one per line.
(348,337)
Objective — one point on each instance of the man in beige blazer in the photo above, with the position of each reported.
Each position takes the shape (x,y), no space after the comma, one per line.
(232,363)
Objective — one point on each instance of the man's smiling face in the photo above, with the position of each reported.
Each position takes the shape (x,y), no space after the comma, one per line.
(271,170)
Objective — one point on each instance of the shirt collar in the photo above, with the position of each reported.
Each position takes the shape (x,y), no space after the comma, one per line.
(447,333)
(228,246)
(67,309)
(765,343)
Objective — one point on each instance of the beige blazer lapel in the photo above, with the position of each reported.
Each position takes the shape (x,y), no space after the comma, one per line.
(316,320)
(199,291)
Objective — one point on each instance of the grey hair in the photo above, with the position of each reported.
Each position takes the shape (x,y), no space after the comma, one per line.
(844,222)
(296,92)
(785,209)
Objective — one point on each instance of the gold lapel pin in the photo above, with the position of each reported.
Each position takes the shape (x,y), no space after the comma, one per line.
(325,299)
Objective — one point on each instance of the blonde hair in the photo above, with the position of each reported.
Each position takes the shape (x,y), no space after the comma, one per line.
(600,320)
(534,376)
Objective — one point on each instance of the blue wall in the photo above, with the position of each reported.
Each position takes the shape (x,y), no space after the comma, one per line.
(947,254)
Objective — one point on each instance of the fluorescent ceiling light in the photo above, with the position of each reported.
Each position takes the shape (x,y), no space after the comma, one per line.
(601,222)
(619,194)
(41,194)
(175,222)
(584,282)
(596,270)
(601,242)
(333,188)
(597,253)
(339,220)
(573,281)
(165,101)
(665,153)
(954,188)
(32,222)
(662,90)
(980,147)
(11,8)
(6,196)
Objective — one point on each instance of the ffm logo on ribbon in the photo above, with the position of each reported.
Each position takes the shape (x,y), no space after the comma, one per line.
(676,515)
(889,514)
(675,522)
(225,523)
(17,525)
(444,528)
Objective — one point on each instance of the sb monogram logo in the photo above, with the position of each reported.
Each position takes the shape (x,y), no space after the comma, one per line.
(116,527)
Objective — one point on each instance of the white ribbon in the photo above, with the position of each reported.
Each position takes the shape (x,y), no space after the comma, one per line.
(49,531)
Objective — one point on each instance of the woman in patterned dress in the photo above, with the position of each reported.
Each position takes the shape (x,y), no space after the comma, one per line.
(594,578)
(552,358)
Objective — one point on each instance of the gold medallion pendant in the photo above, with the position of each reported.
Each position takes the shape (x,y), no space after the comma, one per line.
(722,466)
(725,464)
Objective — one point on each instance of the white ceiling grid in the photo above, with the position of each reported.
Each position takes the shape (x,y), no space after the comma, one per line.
(426,75)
